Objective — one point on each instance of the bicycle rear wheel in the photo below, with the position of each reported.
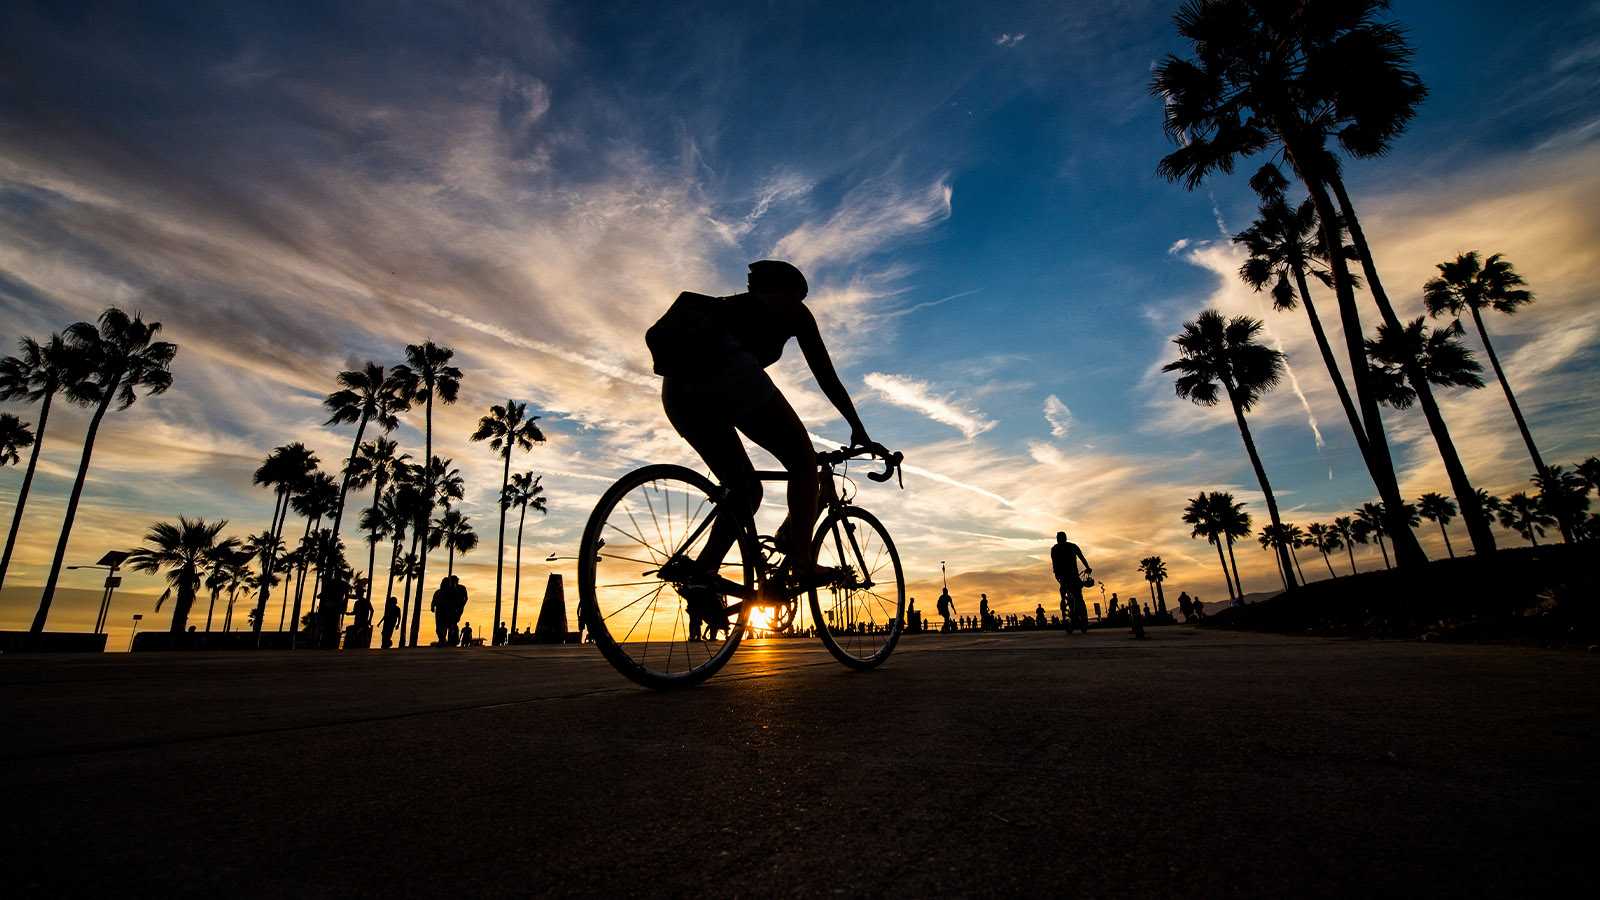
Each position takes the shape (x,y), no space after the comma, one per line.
(639,622)
(860,614)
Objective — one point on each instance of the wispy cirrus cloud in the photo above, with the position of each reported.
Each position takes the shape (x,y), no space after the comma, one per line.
(869,216)
(919,396)
(1058,415)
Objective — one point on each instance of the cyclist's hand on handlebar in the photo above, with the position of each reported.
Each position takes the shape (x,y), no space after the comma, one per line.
(859,438)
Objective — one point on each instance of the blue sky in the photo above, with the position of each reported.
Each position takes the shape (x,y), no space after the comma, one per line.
(969,187)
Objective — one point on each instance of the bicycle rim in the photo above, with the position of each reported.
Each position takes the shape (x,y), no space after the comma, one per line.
(640,623)
(859,625)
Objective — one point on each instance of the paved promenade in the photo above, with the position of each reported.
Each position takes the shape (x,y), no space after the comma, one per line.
(1196,763)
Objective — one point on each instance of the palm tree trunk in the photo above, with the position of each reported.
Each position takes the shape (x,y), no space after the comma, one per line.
(1478,530)
(330,612)
(300,583)
(27,482)
(1350,549)
(1278,558)
(72,510)
(283,605)
(1237,581)
(1225,577)
(516,576)
(405,606)
(428,488)
(450,559)
(1329,563)
(183,599)
(1466,497)
(388,587)
(1380,464)
(1329,360)
(1261,476)
(1532,539)
(500,544)
(212,608)
(280,510)
(372,540)
(1445,532)
(1382,549)
(1161,598)
(1505,385)
(1296,557)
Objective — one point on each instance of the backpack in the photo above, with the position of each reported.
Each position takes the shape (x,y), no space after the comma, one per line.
(678,340)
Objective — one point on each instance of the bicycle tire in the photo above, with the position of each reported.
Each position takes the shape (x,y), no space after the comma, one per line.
(590,550)
(857,650)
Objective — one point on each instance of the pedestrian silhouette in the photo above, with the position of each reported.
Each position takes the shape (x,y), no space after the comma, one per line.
(466,635)
(391,620)
(1185,606)
(947,608)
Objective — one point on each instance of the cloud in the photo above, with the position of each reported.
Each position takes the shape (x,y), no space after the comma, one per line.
(870,215)
(1009,39)
(918,396)
(1057,414)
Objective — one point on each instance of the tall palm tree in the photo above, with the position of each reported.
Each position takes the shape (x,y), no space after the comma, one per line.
(525,491)
(185,550)
(226,557)
(1564,495)
(1467,284)
(15,437)
(1325,539)
(1437,507)
(1372,520)
(455,532)
(1589,471)
(1215,351)
(312,502)
(506,428)
(1155,572)
(1522,514)
(120,357)
(365,395)
(1283,245)
(1402,360)
(427,376)
(1291,79)
(378,463)
(398,510)
(442,484)
(1199,515)
(1350,534)
(265,549)
(36,374)
(286,470)
(1235,525)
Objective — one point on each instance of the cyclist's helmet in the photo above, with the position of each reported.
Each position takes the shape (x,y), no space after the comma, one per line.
(777,275)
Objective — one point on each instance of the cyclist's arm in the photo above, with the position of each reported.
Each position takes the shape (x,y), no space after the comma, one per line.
(1084,558)
(821,364)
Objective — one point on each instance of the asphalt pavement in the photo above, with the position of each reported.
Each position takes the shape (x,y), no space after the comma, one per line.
(1197,763)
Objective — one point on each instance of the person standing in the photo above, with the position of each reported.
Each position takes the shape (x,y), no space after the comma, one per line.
(466,635)
(443,608)
(391,620)
(947,609)
(983,612)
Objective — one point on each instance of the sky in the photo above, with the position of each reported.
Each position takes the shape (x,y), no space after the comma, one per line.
(292,189)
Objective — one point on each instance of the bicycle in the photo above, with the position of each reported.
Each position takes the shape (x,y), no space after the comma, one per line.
(643,539)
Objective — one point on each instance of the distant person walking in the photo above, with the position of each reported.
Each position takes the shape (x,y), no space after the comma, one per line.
(1135,619)
(391,620)
(1064,557)
(448,602)
(983,612)
(466,635)
(947,609)
(1185,606)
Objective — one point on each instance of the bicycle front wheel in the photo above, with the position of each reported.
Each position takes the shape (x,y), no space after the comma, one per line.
(860,612)
(639,622)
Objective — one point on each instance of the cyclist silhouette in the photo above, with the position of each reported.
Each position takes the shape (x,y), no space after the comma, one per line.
(1064,558)
(713,353)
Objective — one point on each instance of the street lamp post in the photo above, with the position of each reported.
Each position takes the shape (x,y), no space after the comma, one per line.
(112,561)
(136,619)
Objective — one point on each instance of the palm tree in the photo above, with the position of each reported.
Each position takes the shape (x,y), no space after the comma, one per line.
(454,531)
(398,510)
(1350,534)
(425,377)
(1212,351)
(1522,514)
(287,470)
(1326,539)
(442,484)
(506,428)
(525,491)
(226,557)
(1589,471)
(1235,525)
(1290,78)
(1155,572)
(120,356)
(35,375)
(185,550)
(1199,515)
(1295,537)
(1468,285)
(1564,495)
(1438,508)
(267,551)
(15,436)
(1275,538)
(1406,359)
(1371,519)
(365,395)
(1284,244)
(312,502)
(377,464)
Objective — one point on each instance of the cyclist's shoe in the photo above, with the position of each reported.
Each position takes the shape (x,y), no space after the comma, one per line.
(786,584)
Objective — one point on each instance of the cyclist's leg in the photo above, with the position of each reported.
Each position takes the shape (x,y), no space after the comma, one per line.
(774,426)
(710,432)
